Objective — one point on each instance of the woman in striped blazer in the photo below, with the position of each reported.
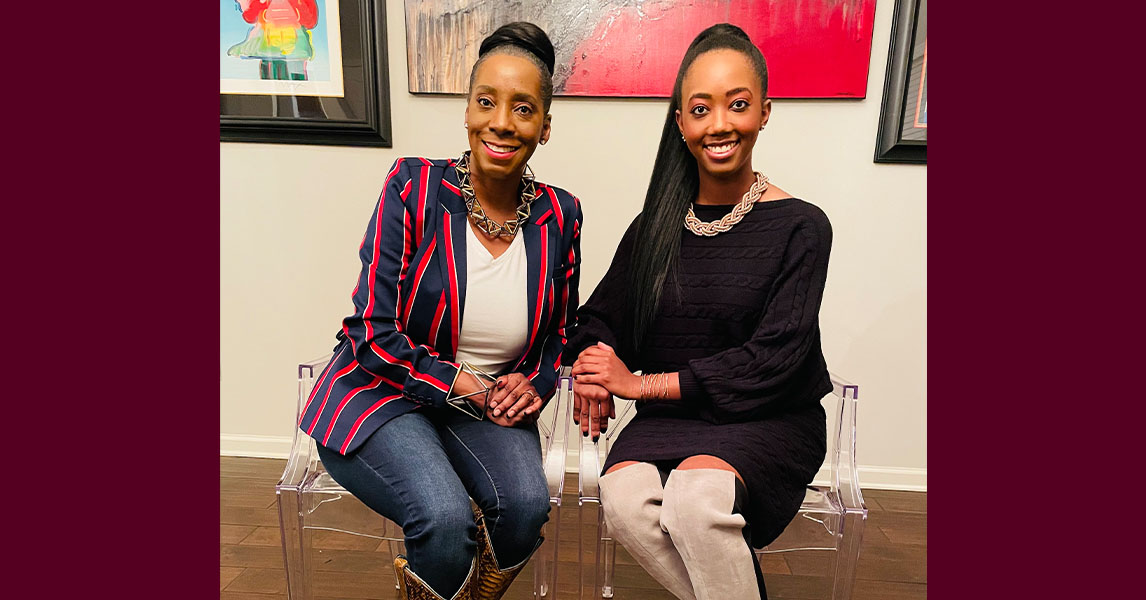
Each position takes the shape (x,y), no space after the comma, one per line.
(468,265)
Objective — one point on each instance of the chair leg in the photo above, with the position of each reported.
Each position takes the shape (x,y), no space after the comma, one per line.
(396,548)
(296,544)
(586,506)
(847,555)
(545,564)
(602,580)
(552,579)
(607,551)
(541,575)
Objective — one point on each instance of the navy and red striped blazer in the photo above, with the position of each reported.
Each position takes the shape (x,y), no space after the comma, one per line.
(396,352)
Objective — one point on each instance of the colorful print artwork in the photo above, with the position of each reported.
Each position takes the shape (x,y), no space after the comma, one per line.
(815,48)
(921,95)
(280,47)
(915,104)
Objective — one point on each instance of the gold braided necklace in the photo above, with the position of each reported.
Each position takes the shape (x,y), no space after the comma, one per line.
(746,203)
(487,225)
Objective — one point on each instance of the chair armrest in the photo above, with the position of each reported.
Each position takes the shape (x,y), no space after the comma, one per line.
(588,468)
(557,445)
(593,454)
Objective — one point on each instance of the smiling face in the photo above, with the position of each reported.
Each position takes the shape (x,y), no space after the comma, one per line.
(722,112)
(505,116)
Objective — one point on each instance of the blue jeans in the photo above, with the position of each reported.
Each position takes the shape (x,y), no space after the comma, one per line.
(420,471)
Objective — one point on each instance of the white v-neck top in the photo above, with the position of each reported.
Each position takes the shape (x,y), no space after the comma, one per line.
(495,318)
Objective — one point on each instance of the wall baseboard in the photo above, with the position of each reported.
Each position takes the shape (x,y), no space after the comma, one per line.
(871,476)
(884,478)
(255,446)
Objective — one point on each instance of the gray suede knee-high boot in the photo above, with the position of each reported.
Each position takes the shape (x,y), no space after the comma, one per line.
(698,514)
(631,498)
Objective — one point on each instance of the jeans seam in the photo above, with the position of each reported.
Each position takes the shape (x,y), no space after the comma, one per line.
(397,491)
(496,492)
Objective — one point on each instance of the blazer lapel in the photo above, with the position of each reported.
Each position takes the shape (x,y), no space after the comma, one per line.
(540,234)
(452,258)
(538,248)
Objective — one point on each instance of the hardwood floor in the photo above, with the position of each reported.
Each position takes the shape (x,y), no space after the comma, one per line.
(892,566)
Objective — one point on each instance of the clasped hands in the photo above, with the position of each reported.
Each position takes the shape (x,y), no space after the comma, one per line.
(512,400)
(598,375)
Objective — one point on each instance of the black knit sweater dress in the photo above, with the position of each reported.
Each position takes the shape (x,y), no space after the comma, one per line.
(743,334)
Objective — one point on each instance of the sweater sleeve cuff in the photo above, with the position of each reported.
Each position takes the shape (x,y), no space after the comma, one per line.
(690,390)
(572,349)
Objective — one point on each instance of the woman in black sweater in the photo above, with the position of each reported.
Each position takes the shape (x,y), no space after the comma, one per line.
(714,295)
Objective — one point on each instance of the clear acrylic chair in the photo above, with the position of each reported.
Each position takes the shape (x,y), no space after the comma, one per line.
(314,508)
(830,521)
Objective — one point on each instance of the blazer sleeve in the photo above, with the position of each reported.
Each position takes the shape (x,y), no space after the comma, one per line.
(566,282)
(742,380)
(374,330)
(601,318)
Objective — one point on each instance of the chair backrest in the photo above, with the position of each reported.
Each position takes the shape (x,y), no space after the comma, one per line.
(303,465)
(840,407)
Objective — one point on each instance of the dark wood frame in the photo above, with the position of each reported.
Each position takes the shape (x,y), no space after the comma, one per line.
(890,147)
(371,130)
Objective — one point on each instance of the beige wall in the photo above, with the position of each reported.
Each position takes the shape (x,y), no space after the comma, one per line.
(292,218)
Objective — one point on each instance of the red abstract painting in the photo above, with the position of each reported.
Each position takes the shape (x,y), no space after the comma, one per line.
(632,48)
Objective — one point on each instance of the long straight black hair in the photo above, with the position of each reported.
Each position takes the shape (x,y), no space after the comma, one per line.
(674,185)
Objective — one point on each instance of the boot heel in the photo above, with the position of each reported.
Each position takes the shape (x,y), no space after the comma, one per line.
(400,563)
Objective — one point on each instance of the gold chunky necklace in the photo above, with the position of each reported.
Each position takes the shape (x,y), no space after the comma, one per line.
(487,225)
(746,203)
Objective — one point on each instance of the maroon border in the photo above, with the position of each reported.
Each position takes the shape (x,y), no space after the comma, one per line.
(112,335)
(1034,262)
(112,343)
(972,396)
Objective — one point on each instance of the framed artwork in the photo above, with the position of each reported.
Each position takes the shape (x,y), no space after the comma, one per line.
(633,48)
(902,134)
(304,72)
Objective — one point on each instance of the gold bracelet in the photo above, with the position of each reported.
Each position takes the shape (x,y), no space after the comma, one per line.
(462,402)
(654,386)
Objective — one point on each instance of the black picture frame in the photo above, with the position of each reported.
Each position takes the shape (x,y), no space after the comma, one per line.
(361,117)
(899,139)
